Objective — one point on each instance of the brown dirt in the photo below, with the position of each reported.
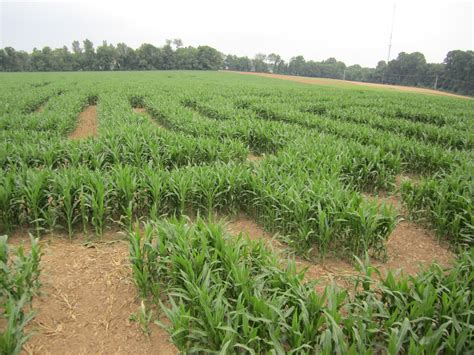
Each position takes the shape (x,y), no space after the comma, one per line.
(337,82)
(87,124)
(400,179)
(384,198)
(143,111)
(333,269)
(40,109)
(87,297)
(251,157)
(140,110)
(409,247)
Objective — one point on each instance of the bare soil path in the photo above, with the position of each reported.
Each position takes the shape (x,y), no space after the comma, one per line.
(87,124)
(337,82)
(409,247)
(86,299)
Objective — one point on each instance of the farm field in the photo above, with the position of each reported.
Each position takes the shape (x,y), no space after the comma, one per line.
(339,83)
(170,212)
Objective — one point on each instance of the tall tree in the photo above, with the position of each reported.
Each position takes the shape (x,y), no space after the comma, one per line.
(106,57)
(209,58)
(126,57)
(274,61)
(259,63)
(459,71)
(89,58)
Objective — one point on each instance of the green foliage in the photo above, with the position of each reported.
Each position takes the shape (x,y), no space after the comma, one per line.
(446,203)
(231,294)
(19,282)
(298,160)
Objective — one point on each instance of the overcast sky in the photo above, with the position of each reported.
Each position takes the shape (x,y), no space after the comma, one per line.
(356,32)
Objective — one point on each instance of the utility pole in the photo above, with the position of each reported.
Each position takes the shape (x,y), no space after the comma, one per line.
(344,75)
(391,33)
(436,82)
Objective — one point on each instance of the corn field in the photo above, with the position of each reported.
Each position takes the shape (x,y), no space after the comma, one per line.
(176,144)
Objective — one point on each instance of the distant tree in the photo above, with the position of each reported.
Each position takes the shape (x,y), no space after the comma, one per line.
(13,60)
(233,62)
(42,60)
(359,73)
(89,57)
(106,57)
(62,59)
(178,42)
(459,71)
(186,58)
(166,57)
(126,57)
(77,56)
(76,47)
(274,61)
(259,63)
(147,57)
(209,58)
(297,65)
(3,60)
(282,67)
(406,69)
(455,74)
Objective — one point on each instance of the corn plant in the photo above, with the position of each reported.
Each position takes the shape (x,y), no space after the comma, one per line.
(32,197)
(19,281)
(125,183)
(146,270)
(180,189)
(96,194)
(143,317)
(69,198)
(154,184)
(7,187)
(445,202)
(232,295)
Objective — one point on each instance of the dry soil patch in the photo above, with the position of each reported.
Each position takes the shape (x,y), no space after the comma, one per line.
(409,247)
(40,108)
(251,157)
(87,124)
(337,82)
(333,269)
(87,297)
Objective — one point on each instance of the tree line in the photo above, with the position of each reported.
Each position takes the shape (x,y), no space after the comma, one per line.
(455,74)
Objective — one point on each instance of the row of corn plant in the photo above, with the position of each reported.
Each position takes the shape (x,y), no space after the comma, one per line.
(58,117)
(19,282)
(417,157)
(259,137)
(137,147)
(446,203)
(22,98)
(438,111)
(78,197)
(229,295)
(447,137)
(129,139)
